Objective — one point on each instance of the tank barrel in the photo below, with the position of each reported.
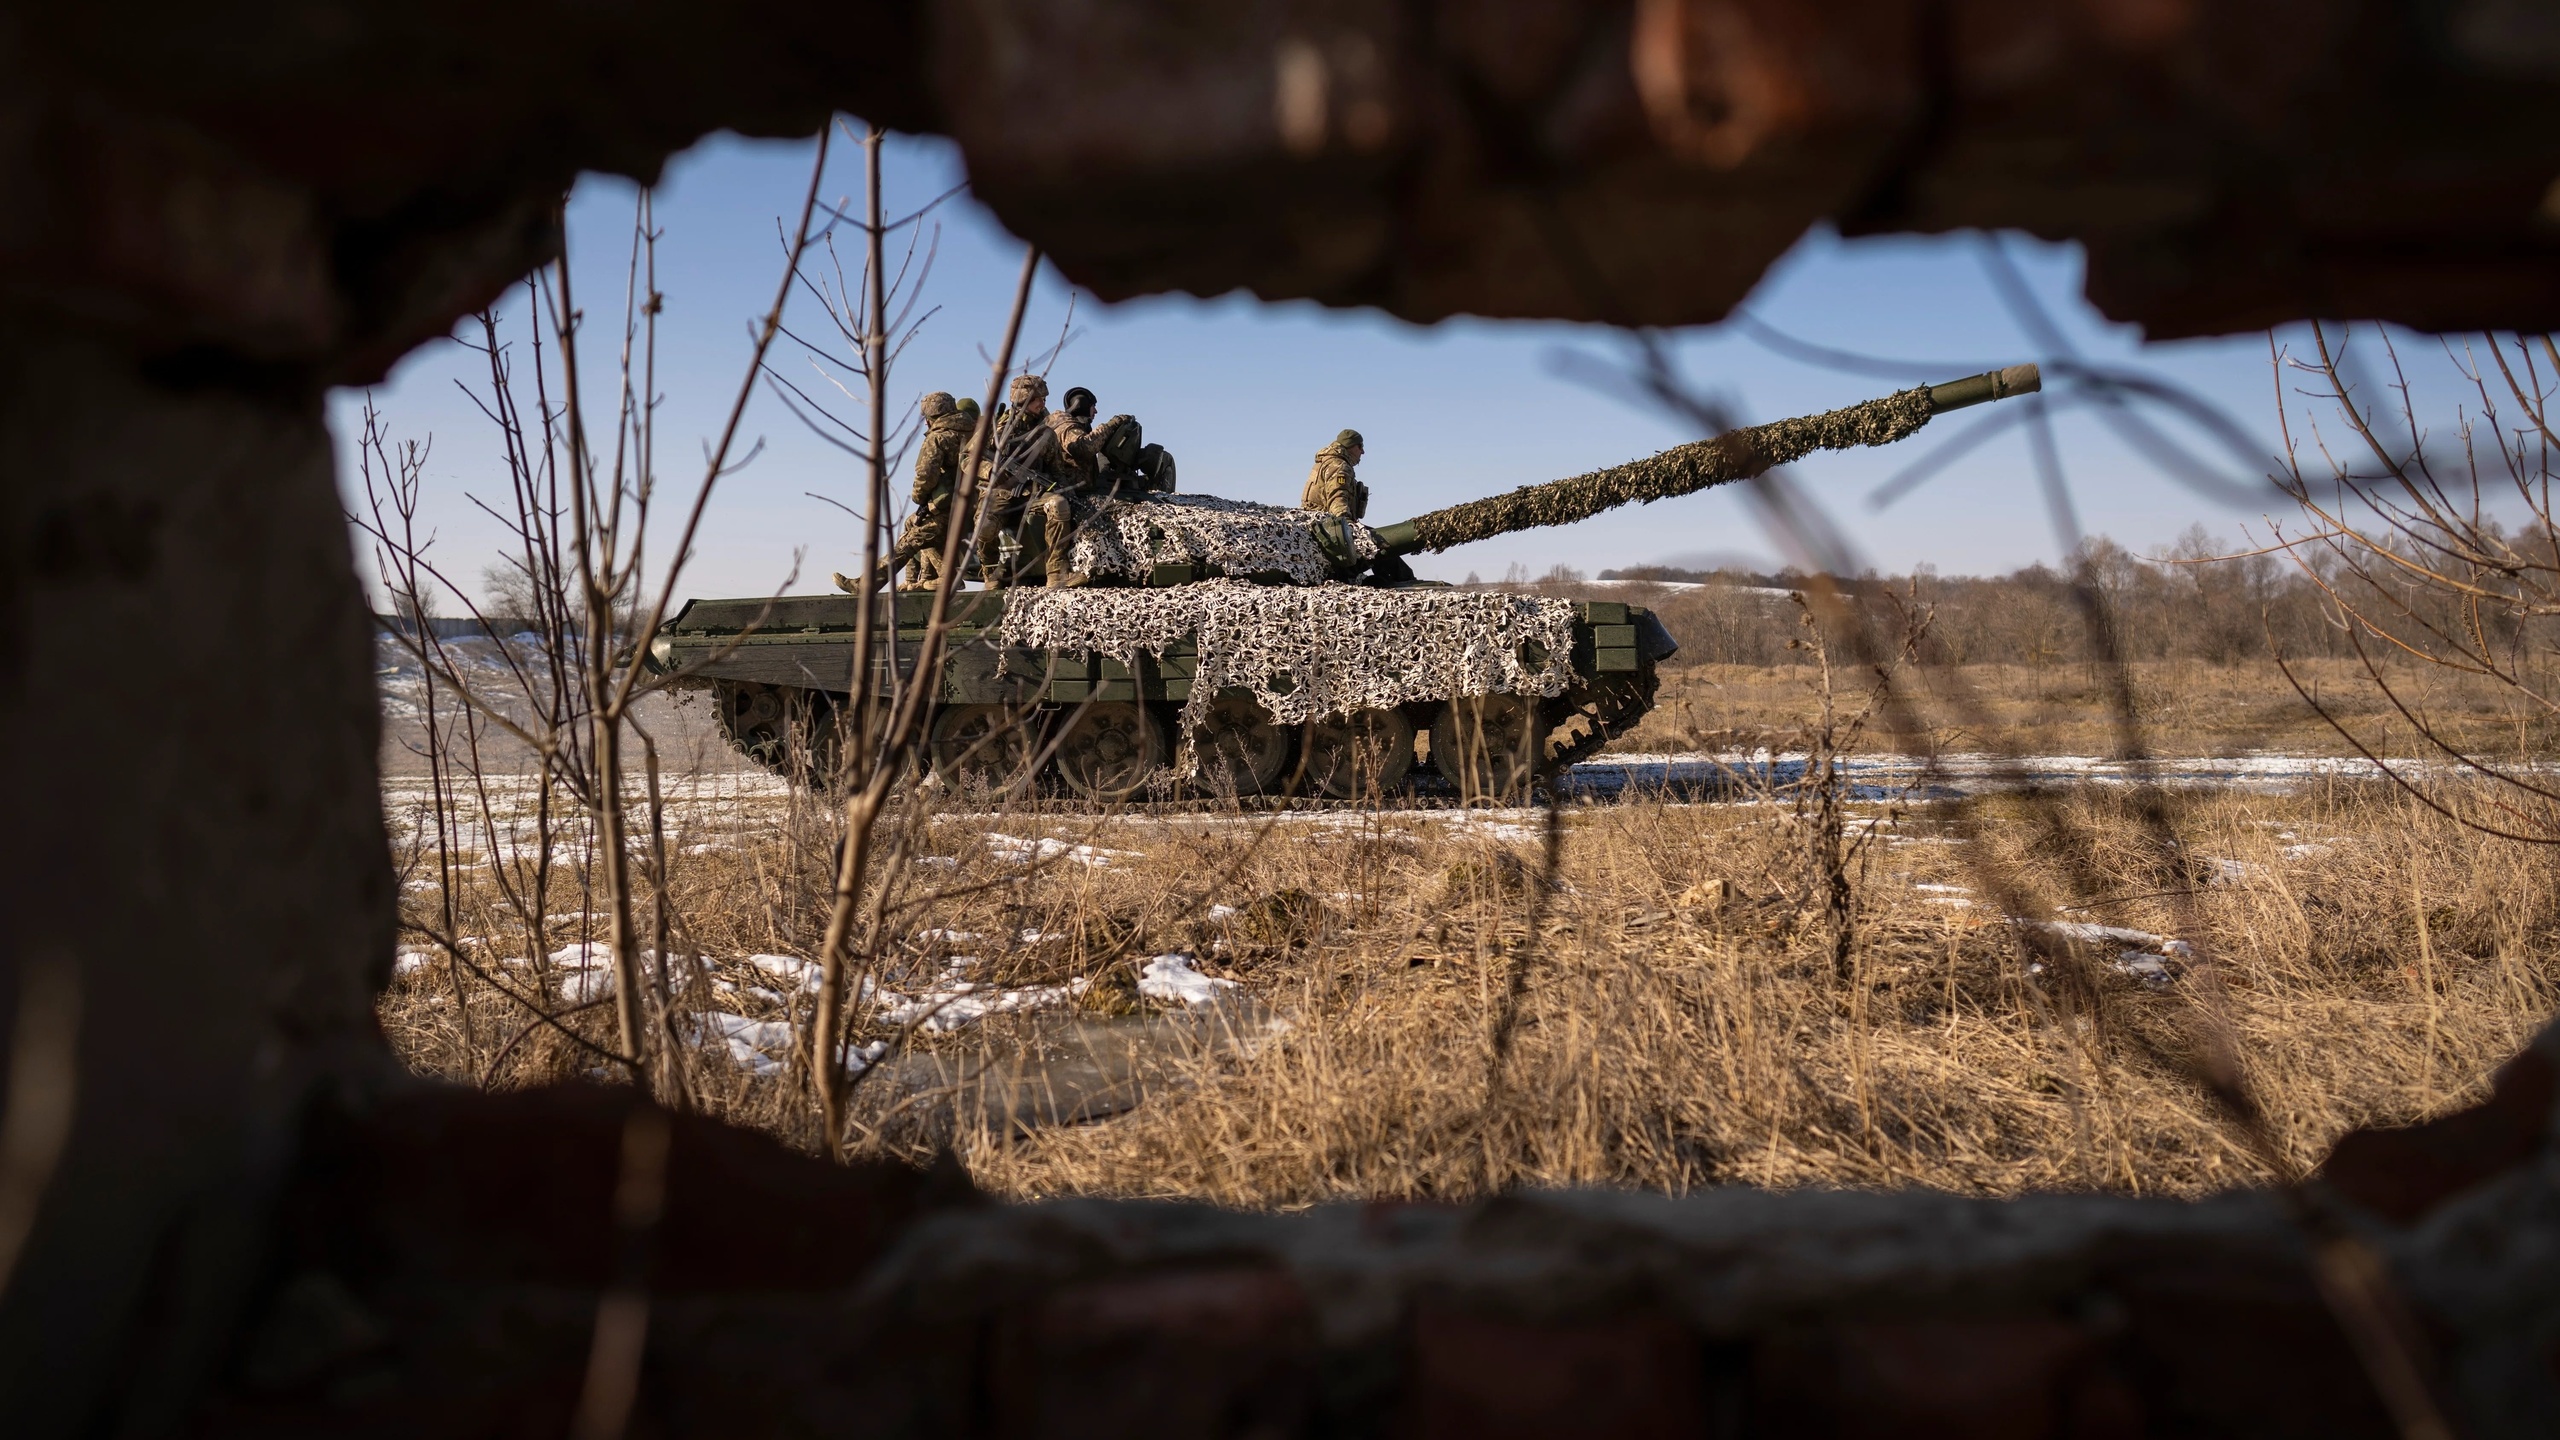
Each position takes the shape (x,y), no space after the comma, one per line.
(1984,388)
(1686,469)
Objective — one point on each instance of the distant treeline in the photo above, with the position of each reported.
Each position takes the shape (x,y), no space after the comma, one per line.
(454,627)
(2188,604)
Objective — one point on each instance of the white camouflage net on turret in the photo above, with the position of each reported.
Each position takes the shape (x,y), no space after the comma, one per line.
(1128,539)
(1306,652)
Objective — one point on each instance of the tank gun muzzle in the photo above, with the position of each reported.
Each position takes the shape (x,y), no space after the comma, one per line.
(1735,455)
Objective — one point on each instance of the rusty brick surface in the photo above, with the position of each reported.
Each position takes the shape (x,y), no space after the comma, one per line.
(2403,1174)
(325,183)
(435,1281)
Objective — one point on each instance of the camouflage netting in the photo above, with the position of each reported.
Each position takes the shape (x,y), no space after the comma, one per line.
(1335,648)
(1681,470)
(1127,539)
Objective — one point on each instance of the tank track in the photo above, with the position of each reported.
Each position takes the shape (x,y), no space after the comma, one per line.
(756,721)
(1593,717)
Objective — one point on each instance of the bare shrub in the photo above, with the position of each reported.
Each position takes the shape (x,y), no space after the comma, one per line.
(2438,547)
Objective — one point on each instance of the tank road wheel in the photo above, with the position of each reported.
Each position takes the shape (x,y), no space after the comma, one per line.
(1487,746)
(1107,751)
(1358,756)
(791,732)
(982,745)
(1241,752)
(751,716)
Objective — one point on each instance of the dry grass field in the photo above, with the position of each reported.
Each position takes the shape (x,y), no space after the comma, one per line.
(1409,1003)
(2186,708)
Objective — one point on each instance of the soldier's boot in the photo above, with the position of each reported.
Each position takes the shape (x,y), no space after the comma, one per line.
(852,584)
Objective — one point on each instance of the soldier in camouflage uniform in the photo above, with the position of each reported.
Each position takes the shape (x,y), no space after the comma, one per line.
(919,547)
(946,439)
(1113,458)
(1333,487)
(1028,466)
(1068,501)
(1073,423)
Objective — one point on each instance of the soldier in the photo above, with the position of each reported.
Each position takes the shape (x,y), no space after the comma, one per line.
(1073,423)
(938,455)
(1028,466)
(1332,486)
(919,547)
(1125,466)
(1113,457)
(1065,502)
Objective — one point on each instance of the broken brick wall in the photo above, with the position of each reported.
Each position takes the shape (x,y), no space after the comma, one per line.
(208,214)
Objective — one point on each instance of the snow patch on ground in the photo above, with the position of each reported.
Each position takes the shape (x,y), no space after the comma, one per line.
(585,970)
(804,975)
(1171,979)
(1023,851)
(2150,969)
(762,1048)
(2156,962)
(952,1002)
(748,1041)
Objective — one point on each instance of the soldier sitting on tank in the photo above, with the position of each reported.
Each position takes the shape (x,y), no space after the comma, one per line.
(1028,469)
(1334,488)
(919,547)
(1072,422)
(1114,457)
(1050,518)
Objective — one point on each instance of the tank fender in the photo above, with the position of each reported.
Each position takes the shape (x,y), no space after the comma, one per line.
(1653,642)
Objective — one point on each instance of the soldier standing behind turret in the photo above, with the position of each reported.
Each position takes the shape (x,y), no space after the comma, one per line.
(1333,486)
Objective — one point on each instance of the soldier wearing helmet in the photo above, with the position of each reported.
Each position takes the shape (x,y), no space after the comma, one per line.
(1029,468)
(938,456)
(1113,459)
(1050,517)
(1073,423)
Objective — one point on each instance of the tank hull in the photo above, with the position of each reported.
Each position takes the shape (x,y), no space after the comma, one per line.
(781,673)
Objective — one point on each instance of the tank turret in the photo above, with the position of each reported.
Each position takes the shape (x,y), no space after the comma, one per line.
(1236,649)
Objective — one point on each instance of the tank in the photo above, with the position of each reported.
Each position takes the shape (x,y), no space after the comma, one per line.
(1232,649)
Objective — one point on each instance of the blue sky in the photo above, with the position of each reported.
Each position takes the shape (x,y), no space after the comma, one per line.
(1243,392)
